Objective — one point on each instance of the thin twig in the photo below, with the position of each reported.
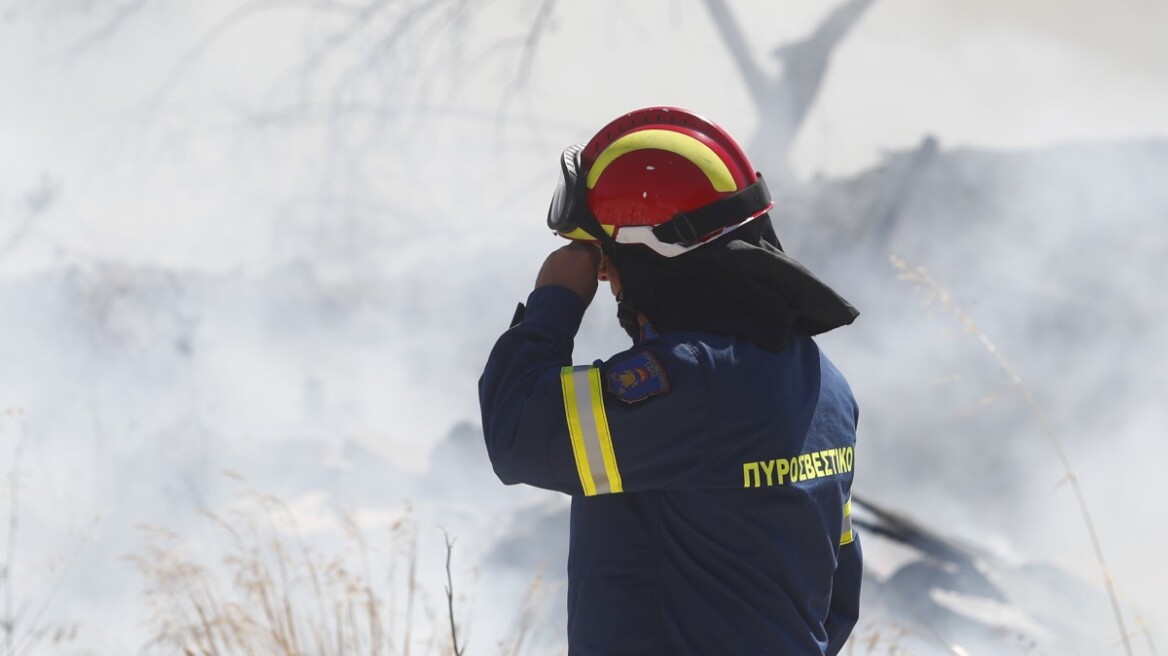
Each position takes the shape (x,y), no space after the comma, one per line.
(458,651)
(921,276)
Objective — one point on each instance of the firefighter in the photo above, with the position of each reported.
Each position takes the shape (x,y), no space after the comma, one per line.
(710,465)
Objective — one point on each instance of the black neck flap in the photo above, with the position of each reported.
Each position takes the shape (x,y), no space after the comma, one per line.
(741,283)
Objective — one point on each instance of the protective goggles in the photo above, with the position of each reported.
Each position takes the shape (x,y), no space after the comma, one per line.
(681,233)
(569,208)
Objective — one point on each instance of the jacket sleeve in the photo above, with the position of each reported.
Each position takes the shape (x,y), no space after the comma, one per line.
(845,595)
(844,610)
(519,378)
(553,426)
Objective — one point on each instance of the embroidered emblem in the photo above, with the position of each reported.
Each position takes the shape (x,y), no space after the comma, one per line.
(637,378)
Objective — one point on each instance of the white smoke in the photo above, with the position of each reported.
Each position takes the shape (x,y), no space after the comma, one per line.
(282,241)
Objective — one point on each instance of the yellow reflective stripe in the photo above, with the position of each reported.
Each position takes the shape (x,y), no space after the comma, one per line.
(847,536)
(567,384)
(602,433)
(701,155)
(588,428)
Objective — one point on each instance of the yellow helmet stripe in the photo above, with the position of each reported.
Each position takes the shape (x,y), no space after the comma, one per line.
(701,155)
(579,233)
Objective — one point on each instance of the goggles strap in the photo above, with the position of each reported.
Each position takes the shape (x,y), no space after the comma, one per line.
(579,215)
(688,228)
(587,221)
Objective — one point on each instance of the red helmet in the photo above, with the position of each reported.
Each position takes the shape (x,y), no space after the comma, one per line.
(662,177)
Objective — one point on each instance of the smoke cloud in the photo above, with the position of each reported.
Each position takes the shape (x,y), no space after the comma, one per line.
(280,241)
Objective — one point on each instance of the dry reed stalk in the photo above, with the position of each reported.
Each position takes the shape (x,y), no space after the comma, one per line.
(920,276)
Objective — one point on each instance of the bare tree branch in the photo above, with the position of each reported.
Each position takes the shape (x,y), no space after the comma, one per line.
(228,23)
(531,43)
(783,101)
(805,62)
(107,29)
(318,57)
(735,41)
(37,202)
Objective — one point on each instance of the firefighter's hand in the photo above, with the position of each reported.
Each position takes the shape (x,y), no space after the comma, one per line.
(574,267)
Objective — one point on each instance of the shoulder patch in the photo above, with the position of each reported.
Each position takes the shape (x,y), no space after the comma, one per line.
(636,378)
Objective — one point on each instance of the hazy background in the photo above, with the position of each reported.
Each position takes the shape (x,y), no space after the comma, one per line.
(280,238)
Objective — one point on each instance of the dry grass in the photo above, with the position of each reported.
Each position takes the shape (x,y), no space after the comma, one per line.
(271,593)
(267,592)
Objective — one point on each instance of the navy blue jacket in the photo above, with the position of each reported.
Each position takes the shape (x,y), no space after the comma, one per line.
(710,481)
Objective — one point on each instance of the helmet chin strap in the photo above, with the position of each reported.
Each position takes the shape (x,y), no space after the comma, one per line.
(626,313)
(626,310)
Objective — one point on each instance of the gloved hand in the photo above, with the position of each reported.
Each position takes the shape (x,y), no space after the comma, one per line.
(574,267)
